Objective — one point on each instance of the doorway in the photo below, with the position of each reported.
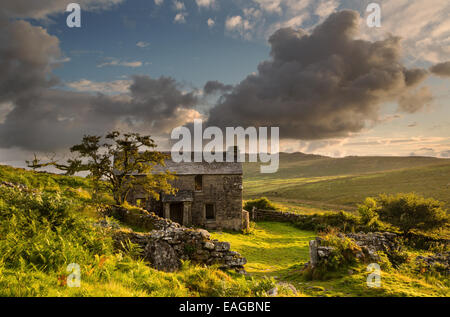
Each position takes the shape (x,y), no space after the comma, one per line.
(176,212)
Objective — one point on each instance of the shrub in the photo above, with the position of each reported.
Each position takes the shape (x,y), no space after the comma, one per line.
(411,211)
(344,250)
(260,203)
(343,254)
(43,232)
(368,214)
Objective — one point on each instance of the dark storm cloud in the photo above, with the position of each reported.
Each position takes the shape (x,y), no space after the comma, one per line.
(56,119)
(37,116)
(212,87)
(441,69)
(41,9)
(321,85)
(27,56)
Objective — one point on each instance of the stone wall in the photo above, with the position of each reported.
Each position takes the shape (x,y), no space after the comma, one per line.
(274,215)
(223,191)
(439,261)
(168,243)
(370,243)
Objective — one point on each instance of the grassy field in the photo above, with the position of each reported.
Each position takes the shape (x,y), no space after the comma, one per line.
(307,183)
(51,223)
(279,250)
(271,247)
(43,230)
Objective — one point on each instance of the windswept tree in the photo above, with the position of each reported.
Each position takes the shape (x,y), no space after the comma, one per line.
(121,163)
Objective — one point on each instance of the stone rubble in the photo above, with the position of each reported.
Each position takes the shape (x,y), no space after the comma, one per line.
(169,243)
(370,243)
(442,259)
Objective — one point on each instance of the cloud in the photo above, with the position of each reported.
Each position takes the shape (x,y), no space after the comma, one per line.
(441,69)
(27,58)
(36,116)
(423,25)
(55,119)
(205,3)
(179,6)
(238,25)
(215,86)
(116,62)
(159,2)
(322,84)
(373,146)
(5,108)
(210,23)
(180,17)
(42,9)
(233,22)
(85,85)
(415,100)
(271,6)
(142,44)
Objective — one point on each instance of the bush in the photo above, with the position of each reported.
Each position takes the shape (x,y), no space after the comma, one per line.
(344,250)
(342,220)
(368,214)
(43,232)
(343,255)
(260,203)
(411,211)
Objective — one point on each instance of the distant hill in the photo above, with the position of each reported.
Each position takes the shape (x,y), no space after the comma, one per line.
(318,180)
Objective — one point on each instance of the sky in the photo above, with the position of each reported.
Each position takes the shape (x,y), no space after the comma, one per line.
(334,85)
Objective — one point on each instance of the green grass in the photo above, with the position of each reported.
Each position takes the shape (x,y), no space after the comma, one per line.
(43,181)
(307,183)
(280,250)
(51,224)
(40,234)
(298,165)
(271,247)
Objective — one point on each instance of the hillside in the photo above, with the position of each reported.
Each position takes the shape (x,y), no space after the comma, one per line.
(48,222)
(340,183)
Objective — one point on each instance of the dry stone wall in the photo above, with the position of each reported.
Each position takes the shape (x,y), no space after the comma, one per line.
(370,243)
(168,243)
(275,215)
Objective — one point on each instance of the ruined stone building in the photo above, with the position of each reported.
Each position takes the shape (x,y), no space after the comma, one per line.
(209,195)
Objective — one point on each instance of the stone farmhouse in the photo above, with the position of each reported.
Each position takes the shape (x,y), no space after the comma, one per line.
(209,195)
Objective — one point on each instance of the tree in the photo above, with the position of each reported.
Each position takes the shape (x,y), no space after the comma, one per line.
(411,211)
(368,213)
(120,164)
